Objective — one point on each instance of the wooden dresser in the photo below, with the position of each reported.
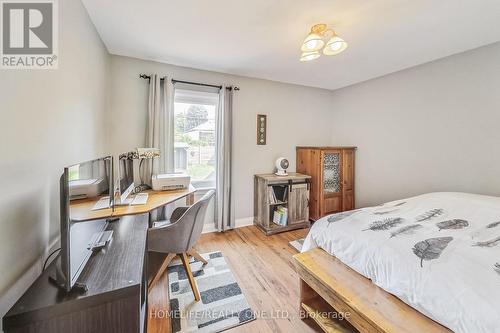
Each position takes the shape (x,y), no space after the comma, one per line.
(272,192)
(332,178)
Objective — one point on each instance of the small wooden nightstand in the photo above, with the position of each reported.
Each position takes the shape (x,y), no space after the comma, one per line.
(290,193)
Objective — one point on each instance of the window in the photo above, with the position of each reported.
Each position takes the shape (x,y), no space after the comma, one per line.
(195,135)
(74,172)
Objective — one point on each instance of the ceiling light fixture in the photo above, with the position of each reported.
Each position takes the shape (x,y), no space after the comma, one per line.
(307,56)
(315,41)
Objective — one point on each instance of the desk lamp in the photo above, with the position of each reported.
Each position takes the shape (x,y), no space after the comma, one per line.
(143,154)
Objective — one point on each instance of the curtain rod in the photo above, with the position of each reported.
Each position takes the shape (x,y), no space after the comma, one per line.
(196,84)
(147,77)
(144,76)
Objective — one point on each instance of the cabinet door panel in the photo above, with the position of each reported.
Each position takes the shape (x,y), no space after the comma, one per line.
(331,182)
(332,171)
(332,205)
(348,170)
(298,204)
(348,200)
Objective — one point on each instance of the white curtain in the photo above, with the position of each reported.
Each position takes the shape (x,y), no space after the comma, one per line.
(224,213)
(158,128)
(159,134)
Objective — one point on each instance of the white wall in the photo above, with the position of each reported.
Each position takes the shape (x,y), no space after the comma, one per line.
(296,116)
(434,127)
(48,119)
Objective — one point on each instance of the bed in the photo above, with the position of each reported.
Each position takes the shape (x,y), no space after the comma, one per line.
(438,253)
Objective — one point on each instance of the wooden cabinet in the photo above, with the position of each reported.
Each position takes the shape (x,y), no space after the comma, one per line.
(332,178)
(273,192)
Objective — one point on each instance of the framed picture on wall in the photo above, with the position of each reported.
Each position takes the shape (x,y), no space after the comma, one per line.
(261,129)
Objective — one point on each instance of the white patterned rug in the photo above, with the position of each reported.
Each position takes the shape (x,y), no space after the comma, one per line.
(222,305)
(297,244)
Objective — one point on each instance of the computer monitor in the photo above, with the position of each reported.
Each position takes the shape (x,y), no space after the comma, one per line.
(79,184)
(126,178)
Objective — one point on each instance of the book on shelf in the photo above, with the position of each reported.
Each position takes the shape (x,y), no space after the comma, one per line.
(284,216)
(271,195)
(280,216)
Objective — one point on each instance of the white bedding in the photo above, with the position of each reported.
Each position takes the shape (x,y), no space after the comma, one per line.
(457,283)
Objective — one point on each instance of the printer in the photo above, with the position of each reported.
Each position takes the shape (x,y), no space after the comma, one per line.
(85,188)
(170,181)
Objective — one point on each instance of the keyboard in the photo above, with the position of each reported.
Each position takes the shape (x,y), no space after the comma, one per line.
(103,203)
(140,199)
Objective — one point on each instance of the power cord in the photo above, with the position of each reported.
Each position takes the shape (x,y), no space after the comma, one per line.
(50,255)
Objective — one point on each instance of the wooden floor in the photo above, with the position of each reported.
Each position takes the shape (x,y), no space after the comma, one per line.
(263,268)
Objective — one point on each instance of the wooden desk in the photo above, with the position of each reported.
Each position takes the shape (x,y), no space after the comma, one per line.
(81,210)
(156,199)
(116,277)
(115,301)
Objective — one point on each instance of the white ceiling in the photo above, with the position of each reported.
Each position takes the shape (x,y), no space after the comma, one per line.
(261,38)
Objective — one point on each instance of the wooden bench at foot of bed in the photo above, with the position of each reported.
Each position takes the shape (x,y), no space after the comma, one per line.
(328,288)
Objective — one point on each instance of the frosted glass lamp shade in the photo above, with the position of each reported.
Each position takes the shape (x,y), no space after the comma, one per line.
(313,42)
(308,56)
(334,46)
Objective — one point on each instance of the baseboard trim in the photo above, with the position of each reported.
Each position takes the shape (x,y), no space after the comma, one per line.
(208,228)
(238,223)
(243,222)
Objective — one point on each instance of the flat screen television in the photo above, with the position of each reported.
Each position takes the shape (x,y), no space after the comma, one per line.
(82,183)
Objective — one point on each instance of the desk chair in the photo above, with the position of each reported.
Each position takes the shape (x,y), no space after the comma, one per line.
(178,236)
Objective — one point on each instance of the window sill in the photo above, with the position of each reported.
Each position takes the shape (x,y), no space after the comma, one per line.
(202,185)
(203,189)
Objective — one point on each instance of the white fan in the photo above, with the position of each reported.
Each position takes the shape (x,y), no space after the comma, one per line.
(281,166)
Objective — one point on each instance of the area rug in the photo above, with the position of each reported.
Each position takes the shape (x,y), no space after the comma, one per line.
(222,305)
(297,244)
